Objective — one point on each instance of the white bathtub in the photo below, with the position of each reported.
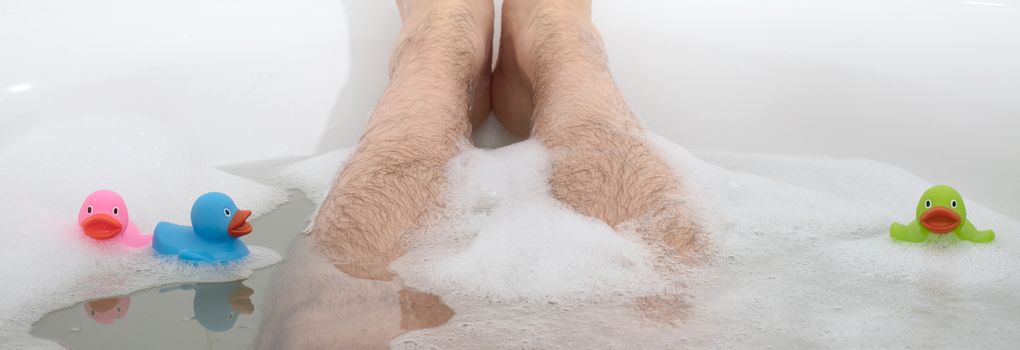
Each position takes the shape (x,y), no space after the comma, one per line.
(930,85)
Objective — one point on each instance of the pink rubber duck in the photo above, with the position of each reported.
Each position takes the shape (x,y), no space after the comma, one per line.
(107,310)
(104,216)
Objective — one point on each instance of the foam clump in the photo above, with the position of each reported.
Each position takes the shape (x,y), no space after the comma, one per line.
(799,256)
(47,262)
(312,175)
(505,215)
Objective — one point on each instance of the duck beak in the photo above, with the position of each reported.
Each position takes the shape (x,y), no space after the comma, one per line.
(101,226)
(940,220)
(239,225)
(240,300)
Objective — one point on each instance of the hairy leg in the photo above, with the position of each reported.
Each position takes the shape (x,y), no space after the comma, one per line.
(438,87)
(552,80)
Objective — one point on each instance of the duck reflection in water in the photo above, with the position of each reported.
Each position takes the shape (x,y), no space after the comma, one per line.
(108,310)
(218,305)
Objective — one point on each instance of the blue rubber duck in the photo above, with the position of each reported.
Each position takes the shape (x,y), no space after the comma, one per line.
(216,225)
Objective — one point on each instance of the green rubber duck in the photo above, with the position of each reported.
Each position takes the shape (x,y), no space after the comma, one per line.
(940,211)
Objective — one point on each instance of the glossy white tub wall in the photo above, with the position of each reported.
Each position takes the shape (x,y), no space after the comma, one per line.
(255,78)
(931,85)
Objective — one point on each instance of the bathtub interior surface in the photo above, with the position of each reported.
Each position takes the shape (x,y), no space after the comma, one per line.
(928,85)
(922,84)
(201,67)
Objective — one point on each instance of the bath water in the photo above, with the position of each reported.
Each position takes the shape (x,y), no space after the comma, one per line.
(799,256)
(798,253)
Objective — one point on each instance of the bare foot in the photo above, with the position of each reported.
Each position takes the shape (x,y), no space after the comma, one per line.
(552,80)
(394,180)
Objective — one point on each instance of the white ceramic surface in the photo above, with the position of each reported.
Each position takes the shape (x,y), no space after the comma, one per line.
(258,78)
(931,85)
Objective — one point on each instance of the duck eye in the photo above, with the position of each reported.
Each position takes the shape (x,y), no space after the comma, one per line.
(230,316)
(927,203)
(226,211)
(92,312)
(953,203)
(89,210)
(116,210)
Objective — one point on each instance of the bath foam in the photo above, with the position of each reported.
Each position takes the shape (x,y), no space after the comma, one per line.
(800,257)
(501,213)
(48,264)
(312,175)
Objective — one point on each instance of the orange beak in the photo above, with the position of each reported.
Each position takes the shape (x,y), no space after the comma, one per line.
(239,225)
(240,300)
(940,220)
(101,226)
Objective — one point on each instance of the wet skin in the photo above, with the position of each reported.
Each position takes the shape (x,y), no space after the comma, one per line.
(940,211)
